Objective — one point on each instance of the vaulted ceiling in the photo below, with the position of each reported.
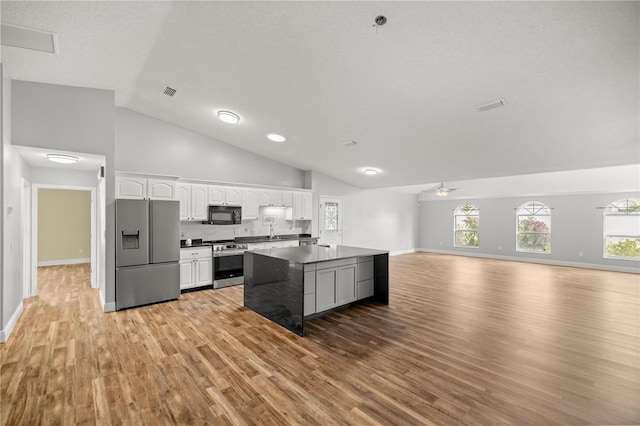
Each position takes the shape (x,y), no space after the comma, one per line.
(322,73)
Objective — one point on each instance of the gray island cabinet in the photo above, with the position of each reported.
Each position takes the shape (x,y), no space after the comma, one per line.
(294,284)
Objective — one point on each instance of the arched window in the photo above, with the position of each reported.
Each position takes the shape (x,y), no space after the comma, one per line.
(622,229)
(534,228)
(467,226)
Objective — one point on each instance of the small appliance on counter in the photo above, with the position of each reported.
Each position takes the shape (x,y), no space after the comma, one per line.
(147,252)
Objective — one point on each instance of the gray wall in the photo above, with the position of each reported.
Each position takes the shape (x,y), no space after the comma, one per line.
(148,145)
(373,218)
(576,226)
(72,119)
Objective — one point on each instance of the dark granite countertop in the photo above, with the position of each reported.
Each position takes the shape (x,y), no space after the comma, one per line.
(315,254)
(266,238)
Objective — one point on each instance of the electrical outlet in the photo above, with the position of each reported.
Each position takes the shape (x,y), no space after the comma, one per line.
(580,254)
(499,247)
(440,242)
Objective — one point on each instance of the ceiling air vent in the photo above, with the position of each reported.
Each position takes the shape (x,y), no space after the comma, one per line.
(491,105)
(169,91)
(28,38)
(349,143)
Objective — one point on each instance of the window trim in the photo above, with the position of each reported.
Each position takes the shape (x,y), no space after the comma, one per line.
(533,212)
(458,212)
(605,236)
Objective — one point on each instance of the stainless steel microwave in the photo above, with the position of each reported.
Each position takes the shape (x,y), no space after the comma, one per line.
(224,215)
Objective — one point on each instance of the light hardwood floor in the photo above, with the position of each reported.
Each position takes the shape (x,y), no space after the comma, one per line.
(463,341)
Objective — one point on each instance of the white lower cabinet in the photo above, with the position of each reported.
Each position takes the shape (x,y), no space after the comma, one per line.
(196,267)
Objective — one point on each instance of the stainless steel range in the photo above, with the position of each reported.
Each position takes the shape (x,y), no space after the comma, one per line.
(228,258)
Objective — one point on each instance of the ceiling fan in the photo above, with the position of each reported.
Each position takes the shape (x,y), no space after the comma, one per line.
(442,191)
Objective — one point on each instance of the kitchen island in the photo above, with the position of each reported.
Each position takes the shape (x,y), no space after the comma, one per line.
(295,284)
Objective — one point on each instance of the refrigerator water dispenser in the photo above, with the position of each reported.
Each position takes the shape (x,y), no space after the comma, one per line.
(130,240)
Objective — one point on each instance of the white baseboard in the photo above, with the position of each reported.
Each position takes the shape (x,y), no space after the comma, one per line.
(4,334)
(106,307)
(632,270)
(399,252)
(64,262)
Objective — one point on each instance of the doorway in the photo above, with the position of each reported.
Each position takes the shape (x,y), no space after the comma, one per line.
(330,221)
(70,243)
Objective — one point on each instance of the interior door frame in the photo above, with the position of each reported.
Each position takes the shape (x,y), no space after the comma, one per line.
(321,200)
(34,232)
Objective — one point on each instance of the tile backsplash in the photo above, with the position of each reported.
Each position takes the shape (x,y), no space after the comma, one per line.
(248,227)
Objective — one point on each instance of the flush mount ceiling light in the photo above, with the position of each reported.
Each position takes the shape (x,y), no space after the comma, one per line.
(276,137)
(63,159)
(228,117)
(371,172)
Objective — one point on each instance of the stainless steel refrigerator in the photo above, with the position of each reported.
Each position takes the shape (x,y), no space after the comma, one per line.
(147,252)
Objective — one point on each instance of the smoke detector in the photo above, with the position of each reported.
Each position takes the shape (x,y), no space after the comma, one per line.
(380,20)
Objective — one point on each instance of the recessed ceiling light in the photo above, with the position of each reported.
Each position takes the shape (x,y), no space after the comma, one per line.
(60,158)
(228,117)
(371,172)
(276,137)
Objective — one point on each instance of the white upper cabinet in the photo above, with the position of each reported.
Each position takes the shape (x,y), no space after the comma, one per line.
(276,198)
(193,201)
(264,197)
(234,196)
(158,189)
(225,195)
(216,195)
(140,188)
(199,206)
(249,204)
(183,194)
(287,198)
(128,187)
(302,209)
(271,198)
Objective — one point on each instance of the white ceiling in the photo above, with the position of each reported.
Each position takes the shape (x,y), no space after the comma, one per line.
(321,74)
(37,157)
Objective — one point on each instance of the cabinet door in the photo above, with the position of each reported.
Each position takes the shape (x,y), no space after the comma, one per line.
(296,211)
(204,271)
(161,189)
(183,195)
(249,205)
(287,199)
(233,196)
(276,198)
(199,202)
(346,284)
(326,282)
(306,206)
(133,188)
(216,195)
(186,274)
(264,198)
